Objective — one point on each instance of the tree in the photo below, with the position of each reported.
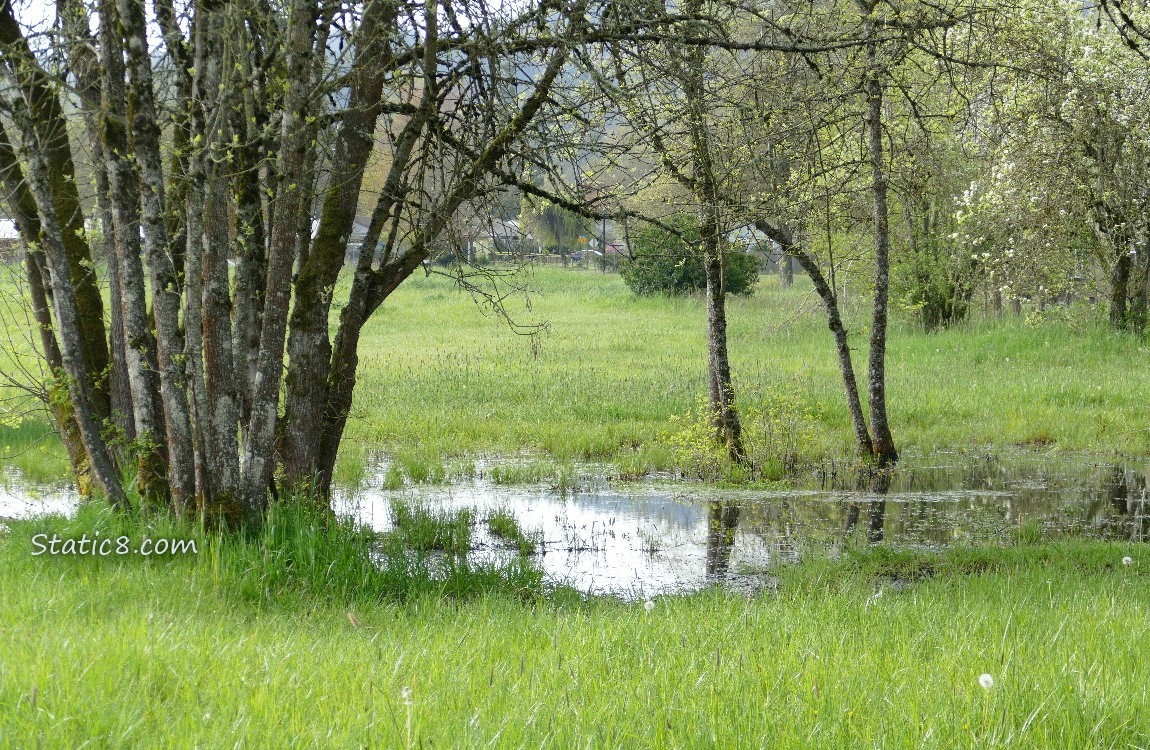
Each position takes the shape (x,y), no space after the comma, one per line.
(665,263)
(218,152)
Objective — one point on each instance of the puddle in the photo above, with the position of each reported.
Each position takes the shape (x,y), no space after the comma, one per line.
(649,538)
(20,499)
(654,537)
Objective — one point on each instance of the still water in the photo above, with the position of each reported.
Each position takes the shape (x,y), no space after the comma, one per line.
(646,538)
(651,537)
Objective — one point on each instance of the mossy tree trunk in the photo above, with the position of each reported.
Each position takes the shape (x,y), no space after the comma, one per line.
(882,441)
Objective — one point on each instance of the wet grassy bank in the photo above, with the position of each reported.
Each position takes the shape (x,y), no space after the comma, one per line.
(266,643)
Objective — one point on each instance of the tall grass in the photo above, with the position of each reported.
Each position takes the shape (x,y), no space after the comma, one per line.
(128,654)
(301,555)
(441,384)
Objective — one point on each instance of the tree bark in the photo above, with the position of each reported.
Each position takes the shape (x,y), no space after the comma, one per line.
(786,271)
(309,344)
(258,440)
(52,135)
(140,346)
(1119,291)
(207,305)
(86,68)
(881,439)
(838,330)
(67,311)
(22,208)
(164,280)
(724,415)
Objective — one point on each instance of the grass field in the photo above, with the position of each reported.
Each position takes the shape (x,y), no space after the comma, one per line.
(188,652)
(441,383)
(301,637)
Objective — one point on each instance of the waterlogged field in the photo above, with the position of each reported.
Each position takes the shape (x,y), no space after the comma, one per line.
(441,383)
(189,652)
(443,380)
(318,632)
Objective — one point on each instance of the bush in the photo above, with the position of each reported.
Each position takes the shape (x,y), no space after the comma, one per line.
(779,426)
(664,263)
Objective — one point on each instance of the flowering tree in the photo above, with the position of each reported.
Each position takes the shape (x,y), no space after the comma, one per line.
(1072,154)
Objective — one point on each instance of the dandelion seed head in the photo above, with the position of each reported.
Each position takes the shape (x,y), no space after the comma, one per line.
(649,605)
(1127,560)
(986,681)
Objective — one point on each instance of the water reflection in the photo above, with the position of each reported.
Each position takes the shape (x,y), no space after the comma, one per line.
(876,483)
(722,519)
(651,537)
(644,538)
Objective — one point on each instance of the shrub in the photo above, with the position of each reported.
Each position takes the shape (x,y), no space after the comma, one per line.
(664,263)
(779,427)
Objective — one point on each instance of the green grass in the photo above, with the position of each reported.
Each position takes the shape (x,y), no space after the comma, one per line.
(506,528)
(34,450)
(180,652)
(441,380)
(441,384)
(426,529)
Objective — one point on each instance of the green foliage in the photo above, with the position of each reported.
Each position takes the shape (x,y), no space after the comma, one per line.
(779,429)
(424,529)
(664,263)
(935,281)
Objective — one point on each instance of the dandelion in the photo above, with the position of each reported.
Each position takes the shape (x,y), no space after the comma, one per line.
(986,681)
(649,605)
(1127,560)
(406,694)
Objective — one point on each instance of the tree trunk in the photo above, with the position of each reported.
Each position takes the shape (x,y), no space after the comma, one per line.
(838,330)
(251,261)
(68,312)
(140,349)
(309,344)
(22,208)
(881,439)
(258,441)
(163,277)
(86,67)
(52,136)
(1119,291)
(207,308)
(786,271)
(367,293)
(724,415)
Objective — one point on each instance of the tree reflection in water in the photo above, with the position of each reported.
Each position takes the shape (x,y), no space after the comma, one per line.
(876,483)
(722,519)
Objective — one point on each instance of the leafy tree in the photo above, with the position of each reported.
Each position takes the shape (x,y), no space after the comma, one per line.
(665,263)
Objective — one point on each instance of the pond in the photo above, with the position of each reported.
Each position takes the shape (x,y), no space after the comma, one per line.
(647,538)
(662,536)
